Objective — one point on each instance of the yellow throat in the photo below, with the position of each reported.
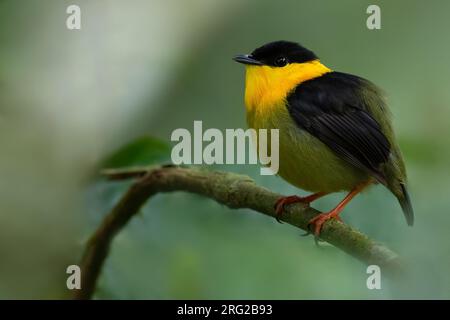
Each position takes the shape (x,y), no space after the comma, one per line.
(267,86)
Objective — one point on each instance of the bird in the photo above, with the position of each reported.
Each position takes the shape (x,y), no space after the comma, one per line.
(335,128)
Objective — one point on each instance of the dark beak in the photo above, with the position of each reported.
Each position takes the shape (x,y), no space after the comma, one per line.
(247,59)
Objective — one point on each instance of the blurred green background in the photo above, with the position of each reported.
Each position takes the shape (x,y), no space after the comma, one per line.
(137,68)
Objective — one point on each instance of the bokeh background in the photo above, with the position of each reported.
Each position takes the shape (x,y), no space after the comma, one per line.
(70,99)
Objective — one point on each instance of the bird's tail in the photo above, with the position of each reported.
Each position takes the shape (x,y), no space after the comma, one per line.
(405,203)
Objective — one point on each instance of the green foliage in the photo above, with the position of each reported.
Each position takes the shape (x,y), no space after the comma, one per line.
(143,151)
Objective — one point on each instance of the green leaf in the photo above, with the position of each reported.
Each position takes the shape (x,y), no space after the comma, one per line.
(143,151)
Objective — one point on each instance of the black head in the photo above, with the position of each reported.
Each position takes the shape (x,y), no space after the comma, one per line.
(277,54)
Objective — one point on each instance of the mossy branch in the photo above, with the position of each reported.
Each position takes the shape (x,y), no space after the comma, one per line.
(232,190)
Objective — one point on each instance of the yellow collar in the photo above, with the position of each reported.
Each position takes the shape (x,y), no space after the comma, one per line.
(268,86)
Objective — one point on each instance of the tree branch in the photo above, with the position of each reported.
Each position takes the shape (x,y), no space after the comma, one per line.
(232,190)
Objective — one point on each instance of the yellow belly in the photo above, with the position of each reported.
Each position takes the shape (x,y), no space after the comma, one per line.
(305,162)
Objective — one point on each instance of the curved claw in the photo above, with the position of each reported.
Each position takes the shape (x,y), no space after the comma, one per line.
(278,218)
(279,207)
(316,237)
(319,220)
(316,240)
(283,202)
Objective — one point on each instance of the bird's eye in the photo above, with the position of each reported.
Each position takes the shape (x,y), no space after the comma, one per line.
(281,61)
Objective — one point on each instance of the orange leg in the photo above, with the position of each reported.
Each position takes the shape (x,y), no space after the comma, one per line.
(284,201)
(320,219)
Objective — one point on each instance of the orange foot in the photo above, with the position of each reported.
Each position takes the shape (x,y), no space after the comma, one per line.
(320,219)
(284,201)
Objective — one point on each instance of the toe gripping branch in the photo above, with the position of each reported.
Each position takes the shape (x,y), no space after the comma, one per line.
(318,221)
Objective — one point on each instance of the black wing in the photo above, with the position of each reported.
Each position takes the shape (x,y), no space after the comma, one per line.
(332,109)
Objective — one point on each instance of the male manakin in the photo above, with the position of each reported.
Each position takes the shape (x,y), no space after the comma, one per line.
(335,128)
